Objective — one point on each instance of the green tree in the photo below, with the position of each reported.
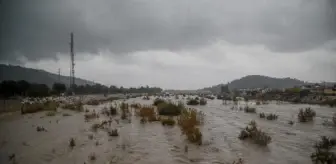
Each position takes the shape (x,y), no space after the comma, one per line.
(58,88)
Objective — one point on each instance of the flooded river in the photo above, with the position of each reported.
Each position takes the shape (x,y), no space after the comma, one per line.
(152,143)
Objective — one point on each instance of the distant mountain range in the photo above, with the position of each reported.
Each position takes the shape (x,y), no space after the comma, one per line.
(10,72)
(258,81)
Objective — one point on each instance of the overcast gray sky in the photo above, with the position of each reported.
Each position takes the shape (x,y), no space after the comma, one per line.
(180,44)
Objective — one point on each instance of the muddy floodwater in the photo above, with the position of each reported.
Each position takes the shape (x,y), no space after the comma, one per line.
(152,143)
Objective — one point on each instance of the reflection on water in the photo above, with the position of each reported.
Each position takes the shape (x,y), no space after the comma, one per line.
(154,143)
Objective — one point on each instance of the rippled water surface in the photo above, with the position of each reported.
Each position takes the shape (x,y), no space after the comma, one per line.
(154,143)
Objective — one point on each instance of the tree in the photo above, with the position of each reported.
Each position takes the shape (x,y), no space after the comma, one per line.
(23,87)
(58,88)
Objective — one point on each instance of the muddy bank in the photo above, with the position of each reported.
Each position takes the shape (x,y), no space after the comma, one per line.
(154,143)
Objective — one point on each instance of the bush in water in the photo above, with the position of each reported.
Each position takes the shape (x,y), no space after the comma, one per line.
(168,121)
(306,115)
(323,153)
(170,109)
(253,133)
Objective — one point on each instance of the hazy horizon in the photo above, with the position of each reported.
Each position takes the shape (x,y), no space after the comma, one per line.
(172,44)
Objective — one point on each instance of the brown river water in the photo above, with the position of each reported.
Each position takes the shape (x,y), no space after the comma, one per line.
(153,143)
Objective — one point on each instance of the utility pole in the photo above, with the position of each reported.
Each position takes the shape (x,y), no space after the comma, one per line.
(59,75)
(72,62)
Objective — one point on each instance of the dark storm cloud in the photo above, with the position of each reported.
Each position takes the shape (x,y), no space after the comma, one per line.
(39,29)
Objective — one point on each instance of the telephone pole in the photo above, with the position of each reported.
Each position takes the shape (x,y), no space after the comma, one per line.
(72,62)
(59,75)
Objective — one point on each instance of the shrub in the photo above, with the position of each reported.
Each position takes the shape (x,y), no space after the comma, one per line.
(95,127)
(188,122)
(203,101)
(89,116)
(262,115)
(124,110)
(168,121)
(322,152)
(170,109)
(149,113)
(113,110)
(51,113)
(37,107)
(92,156)
(258,103)
(253,133)
(93,102)
(77,106)
(146,98)
(248,109)
(113,133)
(306,115)
(40,129)
(66,114)
(271,116)
(268,116)
(158,101)
(72,143)
(193,102)
(240,161)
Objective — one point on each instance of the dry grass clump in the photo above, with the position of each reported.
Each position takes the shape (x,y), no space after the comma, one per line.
(37,107)
(90,116)
(306,115)
(240,161)
(41,129)
(51,113)
(323,153)
(146,98)
(113,110)
(170,109)
(255,134)
(269,116)
(168,121)
(66,114)
(262,115)
(203,101)
(147,113)
(124,110)
(188,122)
(77,106)
(248,109)
(72,143)
(92,157)
(158,101)
(193,101)
(93,102)
(113,133)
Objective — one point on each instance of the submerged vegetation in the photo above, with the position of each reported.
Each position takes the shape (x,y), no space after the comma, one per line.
(170,109)
(37,107)
(306,115)
(255,134)
(75,106)
(248,109)
(269,116)
(323,153)
(193,101)
(158,101)
(188,122)
(168,121)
